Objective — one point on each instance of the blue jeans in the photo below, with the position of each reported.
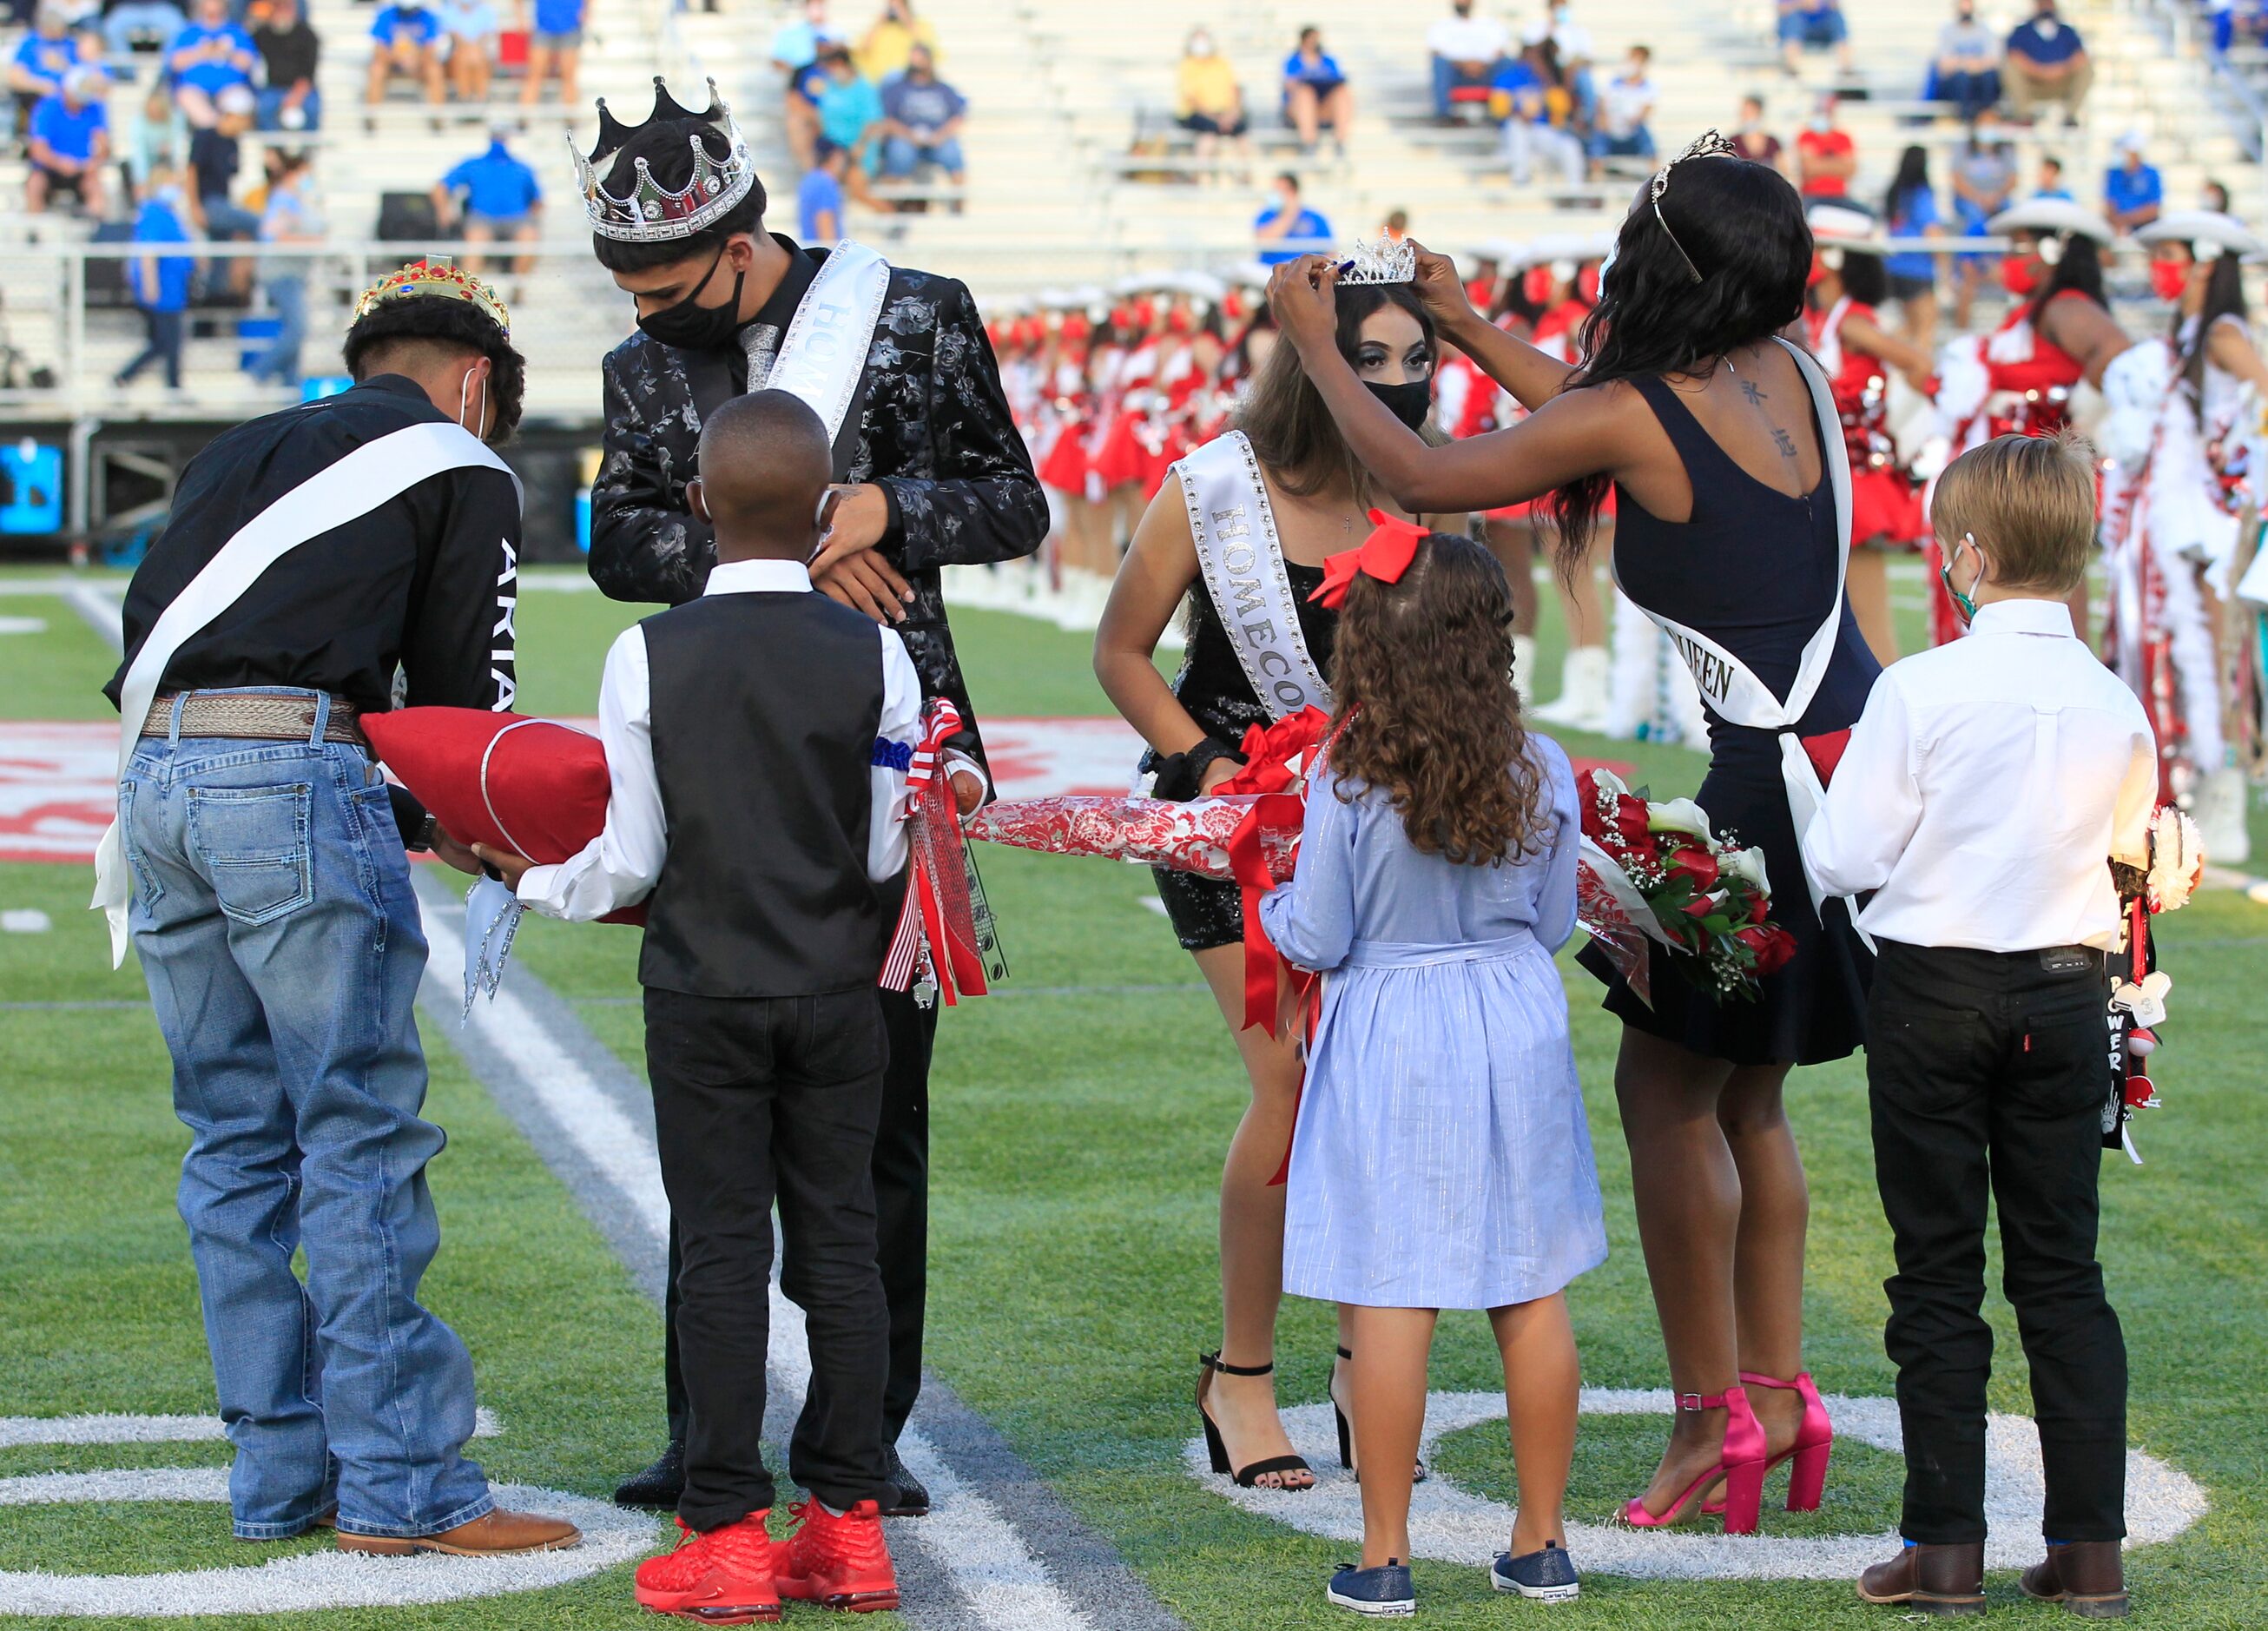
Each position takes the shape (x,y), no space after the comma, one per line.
(1448,77)
(275,921)
(280,360)
(902,158)
(271,106)
(1816,29)
(1971,94)
(1638,144)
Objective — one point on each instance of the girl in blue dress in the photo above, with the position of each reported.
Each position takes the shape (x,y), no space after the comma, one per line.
(1441,1158)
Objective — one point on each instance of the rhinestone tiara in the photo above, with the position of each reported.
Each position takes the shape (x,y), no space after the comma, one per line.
(651,212)
(1382,260)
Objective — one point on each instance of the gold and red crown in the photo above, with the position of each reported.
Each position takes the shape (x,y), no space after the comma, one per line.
(429,279)
(651,212)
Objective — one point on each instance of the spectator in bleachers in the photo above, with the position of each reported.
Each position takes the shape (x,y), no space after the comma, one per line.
(1984,182)
(1207,102)
(290,100)
(819,207)
(1571,44)
(889,44)
(1813,25)
(1909,210)
(1625,106)
(1287,229)
(405,39)
(492,198)
(1536,110)
(2133,192)
(2050,182)
(211,54)
(795,50)
(1316,93)
(468,37)
(555,46)
(288,218)
(130,23)
(2215,197)
(43,59)
(69,144)
(2047,62)
(850,117)
(1826,158)
(922,117)
(215,156)
(1466,52)
(1966,70)
(157,140)
(159,282)
(1754,141)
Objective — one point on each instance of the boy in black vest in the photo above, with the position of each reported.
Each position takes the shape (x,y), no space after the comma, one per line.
(757,806)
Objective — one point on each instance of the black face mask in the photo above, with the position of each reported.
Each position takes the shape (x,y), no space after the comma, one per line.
(690,326)
(1410,403)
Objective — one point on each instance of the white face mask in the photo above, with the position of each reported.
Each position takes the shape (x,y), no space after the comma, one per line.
(1202,46)
(1823,122)
(464,401)
(2047,26)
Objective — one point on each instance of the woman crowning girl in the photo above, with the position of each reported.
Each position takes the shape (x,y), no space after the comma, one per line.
(1722,444)
(1264,504)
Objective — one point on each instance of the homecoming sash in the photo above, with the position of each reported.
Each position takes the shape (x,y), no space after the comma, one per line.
(353,486)
(1733,692)
(824,350)
(1242,559)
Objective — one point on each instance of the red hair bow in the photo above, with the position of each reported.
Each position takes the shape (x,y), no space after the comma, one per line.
(1384,554)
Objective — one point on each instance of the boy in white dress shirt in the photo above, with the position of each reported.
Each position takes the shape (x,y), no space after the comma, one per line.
(1985,791)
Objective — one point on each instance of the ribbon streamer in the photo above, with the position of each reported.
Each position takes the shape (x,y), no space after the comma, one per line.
(938,928)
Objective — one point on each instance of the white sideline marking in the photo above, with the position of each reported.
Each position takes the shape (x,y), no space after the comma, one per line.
(117,1429)
(25,920)
(1451,1526)
(966,1534)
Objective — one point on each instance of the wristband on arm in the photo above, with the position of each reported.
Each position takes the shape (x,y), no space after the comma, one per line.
(1181,776)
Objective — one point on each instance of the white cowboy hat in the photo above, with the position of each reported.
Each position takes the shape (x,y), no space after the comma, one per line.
(2203,231)
(1840,225)
(2057,216)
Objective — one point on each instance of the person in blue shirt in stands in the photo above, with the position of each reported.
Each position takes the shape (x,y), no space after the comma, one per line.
(922,117)
(492,198)
(554,44)
(1316,93)
(2047,62)
(160,282)
(2132,192)
(1813,24)
(1287,229)
(69,144)
(207,57)
(1909,210)
(405,40)
(818,199)
(2050,181)
(47,54)
(795,50)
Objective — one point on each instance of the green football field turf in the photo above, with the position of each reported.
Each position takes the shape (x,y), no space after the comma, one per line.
(1080,1121)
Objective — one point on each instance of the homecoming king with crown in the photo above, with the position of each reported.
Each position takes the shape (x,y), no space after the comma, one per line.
(931,471)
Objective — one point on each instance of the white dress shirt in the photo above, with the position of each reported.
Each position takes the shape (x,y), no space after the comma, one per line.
(619,868)
(1986,786)
(1468,39)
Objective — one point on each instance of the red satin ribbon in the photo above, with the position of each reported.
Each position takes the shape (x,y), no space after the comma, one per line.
(1268,754)
(938,903)
(1384,554)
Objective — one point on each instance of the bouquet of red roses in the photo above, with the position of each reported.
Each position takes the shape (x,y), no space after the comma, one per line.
(1657,872)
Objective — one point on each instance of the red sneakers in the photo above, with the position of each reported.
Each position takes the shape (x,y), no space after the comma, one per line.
(722,1578)
(838,1562)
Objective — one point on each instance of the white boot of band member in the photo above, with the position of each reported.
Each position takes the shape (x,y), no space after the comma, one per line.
(1582,701)
(1523,669)
(2220,809)
(1635,672)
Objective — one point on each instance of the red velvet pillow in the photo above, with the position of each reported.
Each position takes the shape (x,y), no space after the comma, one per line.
(501,779)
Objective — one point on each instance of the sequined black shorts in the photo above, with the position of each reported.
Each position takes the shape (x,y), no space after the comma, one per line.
(1204,912)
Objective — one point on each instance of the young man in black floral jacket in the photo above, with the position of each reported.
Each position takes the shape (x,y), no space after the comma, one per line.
(931,470)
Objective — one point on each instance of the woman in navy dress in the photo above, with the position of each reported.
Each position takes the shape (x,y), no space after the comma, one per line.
(1702,423)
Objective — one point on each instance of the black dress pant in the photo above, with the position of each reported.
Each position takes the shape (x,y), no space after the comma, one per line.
(1988,1074)
(901,1171)
(753,1100)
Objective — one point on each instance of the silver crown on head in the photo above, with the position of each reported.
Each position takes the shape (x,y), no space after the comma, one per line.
(1383,261)
(651,212)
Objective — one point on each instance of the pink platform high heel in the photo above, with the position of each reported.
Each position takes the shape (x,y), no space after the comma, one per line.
(1740,1464)
(1814,1443)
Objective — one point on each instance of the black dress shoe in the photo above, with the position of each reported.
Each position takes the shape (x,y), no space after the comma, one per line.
(658,1486)
(906,1497)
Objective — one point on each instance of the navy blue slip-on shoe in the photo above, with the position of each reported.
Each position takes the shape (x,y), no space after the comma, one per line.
(1545,1577)
(1384,1592)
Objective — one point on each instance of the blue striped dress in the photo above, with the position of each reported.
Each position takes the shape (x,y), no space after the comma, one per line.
(1442,1159)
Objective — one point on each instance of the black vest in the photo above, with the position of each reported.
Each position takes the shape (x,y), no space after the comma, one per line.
(765,711)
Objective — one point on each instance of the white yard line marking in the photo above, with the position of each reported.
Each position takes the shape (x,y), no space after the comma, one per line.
(104,611)
(966,1535)
(117,1429)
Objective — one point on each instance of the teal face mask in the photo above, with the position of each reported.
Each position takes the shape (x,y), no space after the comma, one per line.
(1964,603)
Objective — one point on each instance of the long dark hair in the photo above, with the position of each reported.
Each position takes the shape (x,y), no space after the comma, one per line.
(1426,709)
(2080,268)
(1743,226)
(1293,433)
(1865,278)
(1912,176)
(2224,297)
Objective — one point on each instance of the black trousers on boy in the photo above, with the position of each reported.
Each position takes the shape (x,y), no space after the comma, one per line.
(1988,1073)
(901,1219)
(755,1099)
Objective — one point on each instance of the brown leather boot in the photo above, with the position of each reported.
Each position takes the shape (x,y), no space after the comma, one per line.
(1930,1579)
(495,1533)
(2087,1578)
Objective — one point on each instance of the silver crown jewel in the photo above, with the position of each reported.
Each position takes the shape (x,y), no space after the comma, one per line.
(1382,260)
(651,212)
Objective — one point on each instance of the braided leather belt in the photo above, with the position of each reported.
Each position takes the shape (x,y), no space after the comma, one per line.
(250,716)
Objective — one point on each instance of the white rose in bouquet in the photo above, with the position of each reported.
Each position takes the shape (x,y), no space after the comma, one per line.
(1679,815)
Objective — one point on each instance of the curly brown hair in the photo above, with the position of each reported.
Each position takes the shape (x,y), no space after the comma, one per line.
(1427,711)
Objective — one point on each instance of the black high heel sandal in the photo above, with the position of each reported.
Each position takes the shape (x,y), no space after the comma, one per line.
(1347,1437)
(1248,1477)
